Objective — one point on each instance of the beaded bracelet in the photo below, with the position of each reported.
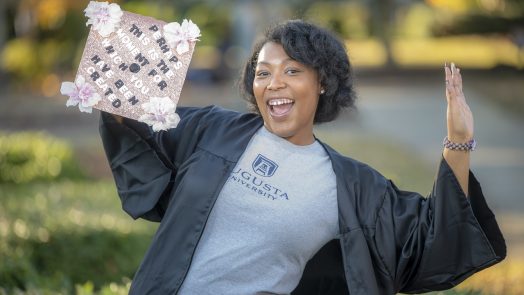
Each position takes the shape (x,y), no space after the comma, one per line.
(468,146)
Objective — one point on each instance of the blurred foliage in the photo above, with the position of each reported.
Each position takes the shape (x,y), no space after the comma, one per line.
(158,10)
(467,51)
(214,22)
(478,17)
(43,38)
(480,24)
(114,288)
(109,289)
(415,21)
(55,236)
(504,278)
(26,157)
(349,19)
(18,57)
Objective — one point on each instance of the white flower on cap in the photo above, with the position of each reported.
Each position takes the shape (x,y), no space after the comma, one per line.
(103,16)
(160,113)
(80,93)
(179,36)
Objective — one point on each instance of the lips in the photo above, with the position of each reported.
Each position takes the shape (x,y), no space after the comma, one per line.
(280,107)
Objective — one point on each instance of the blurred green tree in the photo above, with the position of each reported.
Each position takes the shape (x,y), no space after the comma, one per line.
(487,17)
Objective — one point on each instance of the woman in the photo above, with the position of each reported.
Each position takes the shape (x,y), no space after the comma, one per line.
(255,204)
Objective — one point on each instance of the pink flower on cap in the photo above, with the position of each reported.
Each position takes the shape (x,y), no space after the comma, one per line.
(160,113)
(103,16)
(179,36)
(80,93)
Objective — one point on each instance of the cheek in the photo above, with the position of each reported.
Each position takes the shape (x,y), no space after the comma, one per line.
(312,104)
(258,92)
(256,88)
(258,85)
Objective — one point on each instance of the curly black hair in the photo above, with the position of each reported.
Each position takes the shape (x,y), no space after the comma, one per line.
(314,47)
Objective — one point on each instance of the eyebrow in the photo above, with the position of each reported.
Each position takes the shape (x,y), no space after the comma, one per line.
(284,61)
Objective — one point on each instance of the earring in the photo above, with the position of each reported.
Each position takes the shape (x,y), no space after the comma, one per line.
(322,91)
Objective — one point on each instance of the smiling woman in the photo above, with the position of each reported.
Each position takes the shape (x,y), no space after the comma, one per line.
(254,203)
(312,48)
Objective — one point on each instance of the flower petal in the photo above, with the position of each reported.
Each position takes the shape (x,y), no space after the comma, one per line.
(67,88)
(72,101)
(146,118)
(172,28)
(114,10)
(80,81)
(172,33)
(106,30)
(92,100)
(85,109)
(193,31)
(182,47)
(158,126)
(175,119)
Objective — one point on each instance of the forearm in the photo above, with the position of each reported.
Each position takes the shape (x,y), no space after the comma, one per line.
(458,161)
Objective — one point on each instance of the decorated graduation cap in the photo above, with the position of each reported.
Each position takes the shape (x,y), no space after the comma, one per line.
(132,65)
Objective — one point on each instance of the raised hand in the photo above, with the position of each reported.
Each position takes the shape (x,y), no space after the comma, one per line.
(459,116)
(460,126)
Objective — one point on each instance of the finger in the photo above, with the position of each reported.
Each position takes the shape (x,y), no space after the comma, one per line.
(458,79)
(449,87)
(447,72)
(457,85)
(456,82)
(454,74)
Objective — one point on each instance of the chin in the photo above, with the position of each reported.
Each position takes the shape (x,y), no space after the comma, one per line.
(281,132)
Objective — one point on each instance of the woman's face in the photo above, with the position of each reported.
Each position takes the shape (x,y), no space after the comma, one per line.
(286,93)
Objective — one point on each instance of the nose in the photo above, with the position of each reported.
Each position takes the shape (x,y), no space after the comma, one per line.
(276,82)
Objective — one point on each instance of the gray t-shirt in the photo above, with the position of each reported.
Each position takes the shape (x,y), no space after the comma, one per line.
(276,210)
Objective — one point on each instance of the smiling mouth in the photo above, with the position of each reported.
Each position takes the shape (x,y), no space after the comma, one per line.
(280,107)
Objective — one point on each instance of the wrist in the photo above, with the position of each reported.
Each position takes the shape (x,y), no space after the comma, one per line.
(466,145)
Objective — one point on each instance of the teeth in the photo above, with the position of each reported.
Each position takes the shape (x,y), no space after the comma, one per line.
(279,101)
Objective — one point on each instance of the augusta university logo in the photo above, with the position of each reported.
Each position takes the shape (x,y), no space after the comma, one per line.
(264,166)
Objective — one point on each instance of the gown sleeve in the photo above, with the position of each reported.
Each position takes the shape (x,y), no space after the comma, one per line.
(144,163)
(434,243)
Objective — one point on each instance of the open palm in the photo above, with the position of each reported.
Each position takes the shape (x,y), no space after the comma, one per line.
(459,116)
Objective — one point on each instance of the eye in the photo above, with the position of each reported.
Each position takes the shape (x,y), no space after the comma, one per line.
(262,74)
(292,71)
